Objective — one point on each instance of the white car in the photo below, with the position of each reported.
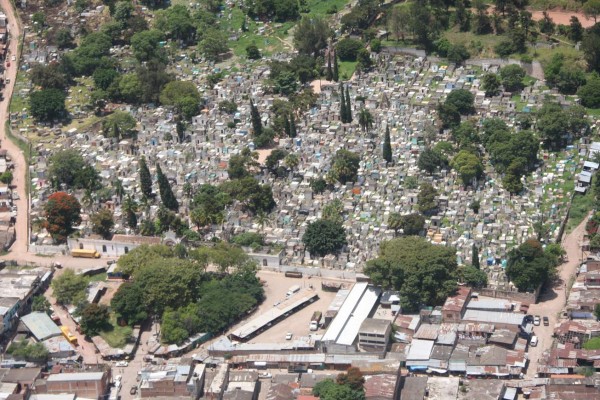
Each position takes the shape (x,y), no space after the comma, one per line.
(536,320)
(14,58)
(288,336)
(265,375)
(121,364)
(118,378)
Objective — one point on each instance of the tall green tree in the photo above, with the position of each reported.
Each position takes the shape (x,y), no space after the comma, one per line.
(293,132)
(529,266)
(427,198)
(166,192)
(424,273)
(103,223)
(343,112)
(475,256)
(365,120)
(257,127)
(62,212)
(336,69)
(387,146)
(348,106)
(145,179)
(324,237)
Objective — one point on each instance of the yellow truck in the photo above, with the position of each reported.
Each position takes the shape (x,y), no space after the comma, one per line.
(85,253)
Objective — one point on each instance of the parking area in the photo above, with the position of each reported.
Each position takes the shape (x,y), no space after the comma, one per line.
(276,287)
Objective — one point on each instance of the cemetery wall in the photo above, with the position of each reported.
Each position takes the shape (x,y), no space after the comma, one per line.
(307,271)
(563,225)
(529,298)
(48,249)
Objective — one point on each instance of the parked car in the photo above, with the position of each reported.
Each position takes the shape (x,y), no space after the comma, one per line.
(534,341)
(536,320)
(288,336)
(546,321)
(133,390)
(121,364)
(265,375)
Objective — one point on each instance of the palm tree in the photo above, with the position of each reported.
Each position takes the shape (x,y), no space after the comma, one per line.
(119,189)
(365,120)
(88,199)
(200,217)
(291,161)
(262,219)
(145,205)
(130,207)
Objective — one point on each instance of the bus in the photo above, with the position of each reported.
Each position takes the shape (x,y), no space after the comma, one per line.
(85,253)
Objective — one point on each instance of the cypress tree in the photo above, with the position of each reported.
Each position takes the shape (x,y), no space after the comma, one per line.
(475,257)
(166,193)
(343,114)
(145,179)
(348,106)
(286,126)
(293,127)
(256,121)
(329,71)
(336,72)
(387,146)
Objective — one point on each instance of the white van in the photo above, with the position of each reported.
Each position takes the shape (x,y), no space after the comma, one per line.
(534,341)
(293,289)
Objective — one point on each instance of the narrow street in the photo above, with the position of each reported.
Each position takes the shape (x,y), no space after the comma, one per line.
(552,302)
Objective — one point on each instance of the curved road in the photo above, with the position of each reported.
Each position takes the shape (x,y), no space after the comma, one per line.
(18,251)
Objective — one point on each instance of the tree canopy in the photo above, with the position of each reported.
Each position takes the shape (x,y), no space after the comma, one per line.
(62,211)
(47,104)
(187,299)
(529,265)
(344,166)
(424,273)
(324,237)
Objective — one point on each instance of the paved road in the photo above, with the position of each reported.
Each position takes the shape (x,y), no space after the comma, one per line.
(19,248)
(552,303)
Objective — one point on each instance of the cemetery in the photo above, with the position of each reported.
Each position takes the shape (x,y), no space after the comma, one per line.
(401,94)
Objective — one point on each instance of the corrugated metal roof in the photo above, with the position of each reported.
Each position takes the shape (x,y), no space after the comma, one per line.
(41,326)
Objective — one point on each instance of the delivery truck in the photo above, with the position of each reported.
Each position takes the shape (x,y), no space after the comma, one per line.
(85,253)
(315,320)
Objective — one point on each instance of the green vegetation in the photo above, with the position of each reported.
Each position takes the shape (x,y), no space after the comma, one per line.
(32,352)
(115,335)
(581,206)
(530,266)
(177,290)
(592,344)
(425,274)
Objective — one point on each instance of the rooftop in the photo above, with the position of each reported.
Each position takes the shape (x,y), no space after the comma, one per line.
(41,325)
(374,326)
(76,377)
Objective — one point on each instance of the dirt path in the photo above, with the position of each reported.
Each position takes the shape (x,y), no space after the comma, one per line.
(552,302)
(563,17)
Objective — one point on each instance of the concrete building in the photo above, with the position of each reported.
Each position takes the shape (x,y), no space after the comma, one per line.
(16,290)
(182,379)
(118,246)
(374,333)
(91,385)
(454,307)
